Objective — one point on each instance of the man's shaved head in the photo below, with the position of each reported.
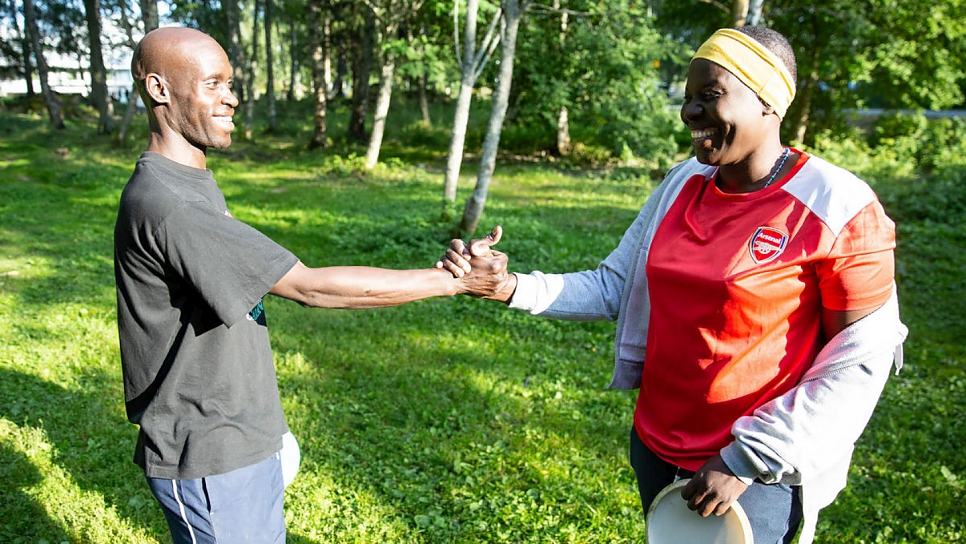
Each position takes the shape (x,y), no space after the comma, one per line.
(164,51)
(184,78)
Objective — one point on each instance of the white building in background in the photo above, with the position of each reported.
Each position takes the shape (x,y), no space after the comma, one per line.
(70,74)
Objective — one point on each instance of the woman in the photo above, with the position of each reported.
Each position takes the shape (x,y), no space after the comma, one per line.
(758,285)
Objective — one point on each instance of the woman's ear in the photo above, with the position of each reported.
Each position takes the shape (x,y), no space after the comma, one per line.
(766,108)
(157,88)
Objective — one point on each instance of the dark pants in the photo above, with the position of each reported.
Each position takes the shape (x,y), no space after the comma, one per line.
(241,506)
(774,510)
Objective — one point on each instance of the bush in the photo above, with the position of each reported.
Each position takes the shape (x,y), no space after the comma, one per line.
(930,144)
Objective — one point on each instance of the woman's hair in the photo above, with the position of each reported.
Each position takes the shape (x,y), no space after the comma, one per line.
(776,43)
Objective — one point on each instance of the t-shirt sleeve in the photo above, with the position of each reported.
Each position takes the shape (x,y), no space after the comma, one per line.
(859,271)
(229,263)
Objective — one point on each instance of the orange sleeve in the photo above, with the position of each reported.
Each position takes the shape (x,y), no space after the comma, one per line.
(859,271)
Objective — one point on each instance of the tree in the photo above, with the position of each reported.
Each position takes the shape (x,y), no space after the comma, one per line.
(513,11)
(149,19)
(21,55)
(472,61)
(605,76)
(362,43)
(317,31)
(270,66)
(99,93)
(50,99)
(236,51)
(252,69)
(389,16)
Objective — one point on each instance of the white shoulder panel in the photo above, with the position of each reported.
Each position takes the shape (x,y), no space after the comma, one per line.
(833,194)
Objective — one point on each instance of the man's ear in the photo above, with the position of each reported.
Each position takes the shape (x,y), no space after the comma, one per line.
(157,88)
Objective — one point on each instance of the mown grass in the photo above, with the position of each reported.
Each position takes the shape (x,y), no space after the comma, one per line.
(442,421)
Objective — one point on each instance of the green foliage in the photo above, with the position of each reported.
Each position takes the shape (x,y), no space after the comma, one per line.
(930,144)
(440,421)
(601,68)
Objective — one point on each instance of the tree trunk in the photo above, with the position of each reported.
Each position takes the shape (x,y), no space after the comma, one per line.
(563,132)
(755,8)
(99,93)
(335,89)
(804,107)
(294,64)
(314,8)
(563,119)
(28,69)
(50,99)
(512,13)
(270,67)
(149,15)
(250,80)
(457,141)
(327,54)
(739,12)
(424,99)
(422,81)
(361,68)
(238,61)
(382,109)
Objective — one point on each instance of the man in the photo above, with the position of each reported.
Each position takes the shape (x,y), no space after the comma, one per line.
(198,370)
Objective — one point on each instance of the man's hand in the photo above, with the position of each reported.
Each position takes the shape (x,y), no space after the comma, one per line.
(458,256)
(482,272)
(713,488)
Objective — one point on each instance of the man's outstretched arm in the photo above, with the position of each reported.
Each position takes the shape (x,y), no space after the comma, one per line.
(358,287)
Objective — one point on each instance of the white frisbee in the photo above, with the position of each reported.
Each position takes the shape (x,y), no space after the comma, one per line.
(669,521)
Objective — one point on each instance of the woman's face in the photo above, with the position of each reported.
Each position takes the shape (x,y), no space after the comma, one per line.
(727,119)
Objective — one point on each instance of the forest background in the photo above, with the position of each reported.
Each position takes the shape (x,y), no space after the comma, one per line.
(456,420)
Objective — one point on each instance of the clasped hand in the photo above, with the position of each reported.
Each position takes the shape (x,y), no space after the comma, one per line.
(482,271)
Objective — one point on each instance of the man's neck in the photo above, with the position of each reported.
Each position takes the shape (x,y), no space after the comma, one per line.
(178,150)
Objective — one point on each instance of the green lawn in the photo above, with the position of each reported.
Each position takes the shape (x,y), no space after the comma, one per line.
(442,421)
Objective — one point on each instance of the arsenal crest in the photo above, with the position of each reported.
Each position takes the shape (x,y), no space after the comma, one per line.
(767,244)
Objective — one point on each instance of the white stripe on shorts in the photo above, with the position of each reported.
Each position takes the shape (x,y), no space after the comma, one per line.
(184,517)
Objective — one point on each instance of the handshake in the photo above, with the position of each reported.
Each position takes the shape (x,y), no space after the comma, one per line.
(482,272)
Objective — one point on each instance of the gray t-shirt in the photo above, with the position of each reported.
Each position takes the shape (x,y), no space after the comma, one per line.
(199,377)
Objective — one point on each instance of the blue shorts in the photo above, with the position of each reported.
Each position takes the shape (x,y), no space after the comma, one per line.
(241,506)
(774,510)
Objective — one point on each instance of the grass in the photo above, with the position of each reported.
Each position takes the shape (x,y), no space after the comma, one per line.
(441,421)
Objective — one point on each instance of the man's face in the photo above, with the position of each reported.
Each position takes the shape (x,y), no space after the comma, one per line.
(202,103)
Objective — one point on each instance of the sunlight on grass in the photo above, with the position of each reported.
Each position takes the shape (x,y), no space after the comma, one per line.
(448,420)
(49,492)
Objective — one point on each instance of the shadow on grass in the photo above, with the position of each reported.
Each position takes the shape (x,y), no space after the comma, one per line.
(17,473)
(91,441)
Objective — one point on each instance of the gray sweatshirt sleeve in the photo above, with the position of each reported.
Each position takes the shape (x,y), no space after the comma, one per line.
(805,432)
(591,295)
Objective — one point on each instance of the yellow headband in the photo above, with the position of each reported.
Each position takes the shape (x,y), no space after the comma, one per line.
(758,68)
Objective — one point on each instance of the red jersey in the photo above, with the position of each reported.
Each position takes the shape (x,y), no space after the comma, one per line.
(737,284)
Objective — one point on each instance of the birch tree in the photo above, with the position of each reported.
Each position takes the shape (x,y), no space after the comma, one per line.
(389,15)
(472,60)
(513,11)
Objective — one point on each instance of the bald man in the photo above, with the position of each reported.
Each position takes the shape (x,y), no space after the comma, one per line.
(198,371)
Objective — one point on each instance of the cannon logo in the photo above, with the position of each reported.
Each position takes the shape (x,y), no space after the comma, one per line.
(767,244)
